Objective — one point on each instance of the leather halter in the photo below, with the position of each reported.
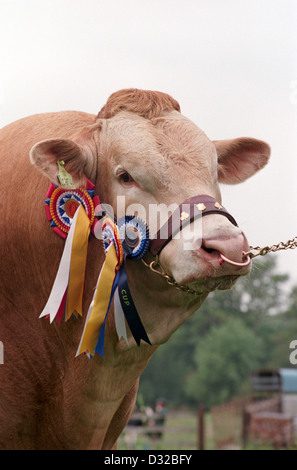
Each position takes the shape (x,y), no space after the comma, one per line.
(191,209)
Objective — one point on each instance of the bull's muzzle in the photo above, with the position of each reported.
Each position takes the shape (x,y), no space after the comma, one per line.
(190,210)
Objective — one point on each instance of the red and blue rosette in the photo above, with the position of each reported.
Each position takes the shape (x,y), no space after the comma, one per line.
(71,212)
(61,205)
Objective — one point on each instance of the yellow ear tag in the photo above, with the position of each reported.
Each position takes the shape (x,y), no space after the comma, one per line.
(65,179)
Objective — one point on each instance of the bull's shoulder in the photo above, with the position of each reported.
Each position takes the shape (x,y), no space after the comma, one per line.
(48,125)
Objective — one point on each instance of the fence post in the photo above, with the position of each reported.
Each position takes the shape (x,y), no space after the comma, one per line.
(245,426)
(201,411)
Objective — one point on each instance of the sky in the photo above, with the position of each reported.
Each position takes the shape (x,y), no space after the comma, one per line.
(232,66)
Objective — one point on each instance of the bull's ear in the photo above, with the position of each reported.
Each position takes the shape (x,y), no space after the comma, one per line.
(45,155)
(240,158)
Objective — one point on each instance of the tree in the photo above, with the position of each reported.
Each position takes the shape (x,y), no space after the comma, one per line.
(259,301)
(256,296)
(224,360)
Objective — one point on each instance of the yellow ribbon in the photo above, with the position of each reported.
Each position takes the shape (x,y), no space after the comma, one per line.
(99,308)
(78,264)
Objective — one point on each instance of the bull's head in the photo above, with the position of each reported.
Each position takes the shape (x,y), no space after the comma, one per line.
(142,150)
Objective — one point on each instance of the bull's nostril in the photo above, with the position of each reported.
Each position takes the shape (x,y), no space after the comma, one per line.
(225,250)
(208,250)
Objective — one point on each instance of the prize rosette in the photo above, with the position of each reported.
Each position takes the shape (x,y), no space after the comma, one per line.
(71,212)
(110,234)
(72,215)
(61,205)
(135,237)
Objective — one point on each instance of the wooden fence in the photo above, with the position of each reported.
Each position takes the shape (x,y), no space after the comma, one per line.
(178,430)
(234,425)
(264,423)
(241,422)
(227,424)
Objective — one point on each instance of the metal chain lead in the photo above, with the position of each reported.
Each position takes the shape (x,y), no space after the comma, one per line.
(255,251)
(262,251)
(156,267)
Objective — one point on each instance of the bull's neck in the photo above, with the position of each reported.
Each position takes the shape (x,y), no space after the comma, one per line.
(161,307)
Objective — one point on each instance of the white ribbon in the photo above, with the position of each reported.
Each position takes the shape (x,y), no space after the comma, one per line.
(119,318)
(62,277)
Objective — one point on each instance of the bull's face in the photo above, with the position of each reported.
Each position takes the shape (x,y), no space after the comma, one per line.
(149,164)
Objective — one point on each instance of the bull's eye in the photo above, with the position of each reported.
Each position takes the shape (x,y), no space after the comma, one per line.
(125,177)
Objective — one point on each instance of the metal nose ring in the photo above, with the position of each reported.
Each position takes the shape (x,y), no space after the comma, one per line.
(244,263)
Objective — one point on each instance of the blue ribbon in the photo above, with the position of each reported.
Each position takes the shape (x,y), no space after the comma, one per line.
(129,309)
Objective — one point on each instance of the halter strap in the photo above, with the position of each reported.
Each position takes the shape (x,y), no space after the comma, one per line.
(191,209)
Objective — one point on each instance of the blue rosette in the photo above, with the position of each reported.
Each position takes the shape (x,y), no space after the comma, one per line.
(135,237)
